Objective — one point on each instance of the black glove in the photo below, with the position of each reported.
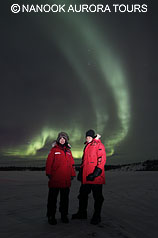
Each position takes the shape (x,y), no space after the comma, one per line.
(49,176)
(79,176)
(97,171)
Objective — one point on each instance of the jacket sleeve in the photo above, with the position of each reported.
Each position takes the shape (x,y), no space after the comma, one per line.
(101,156)
(49,162)
(73,172)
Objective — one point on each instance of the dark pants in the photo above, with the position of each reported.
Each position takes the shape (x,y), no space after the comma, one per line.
(52,201)
(85,190)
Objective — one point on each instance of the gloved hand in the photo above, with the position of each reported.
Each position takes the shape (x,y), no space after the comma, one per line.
(97,171)
(90,177)
(79,176)
(49,176)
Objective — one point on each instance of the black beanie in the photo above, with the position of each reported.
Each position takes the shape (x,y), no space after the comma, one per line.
(90,133)
(64,135)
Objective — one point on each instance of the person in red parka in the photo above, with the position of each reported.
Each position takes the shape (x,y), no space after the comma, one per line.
(92,176)
(60,170)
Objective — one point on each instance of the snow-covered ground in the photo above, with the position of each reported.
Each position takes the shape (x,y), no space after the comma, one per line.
(130,208)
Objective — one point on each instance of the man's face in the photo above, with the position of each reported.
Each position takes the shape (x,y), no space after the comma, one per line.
(89,139)
(62,141)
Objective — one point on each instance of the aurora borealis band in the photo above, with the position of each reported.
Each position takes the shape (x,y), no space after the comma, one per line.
(75,71)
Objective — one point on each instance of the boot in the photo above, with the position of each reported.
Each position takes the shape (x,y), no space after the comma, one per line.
(96,219)
(79,215)
(52,220)
(64,219)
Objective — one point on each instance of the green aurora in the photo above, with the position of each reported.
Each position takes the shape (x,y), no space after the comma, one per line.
(109,74)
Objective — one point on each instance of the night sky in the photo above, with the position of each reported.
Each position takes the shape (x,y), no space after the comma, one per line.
(78,71)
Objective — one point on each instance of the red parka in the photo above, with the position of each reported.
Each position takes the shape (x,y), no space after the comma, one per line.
(94,155)
(59,165)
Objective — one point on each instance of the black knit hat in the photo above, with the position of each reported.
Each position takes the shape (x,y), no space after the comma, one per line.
(90,133)
(64,135)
